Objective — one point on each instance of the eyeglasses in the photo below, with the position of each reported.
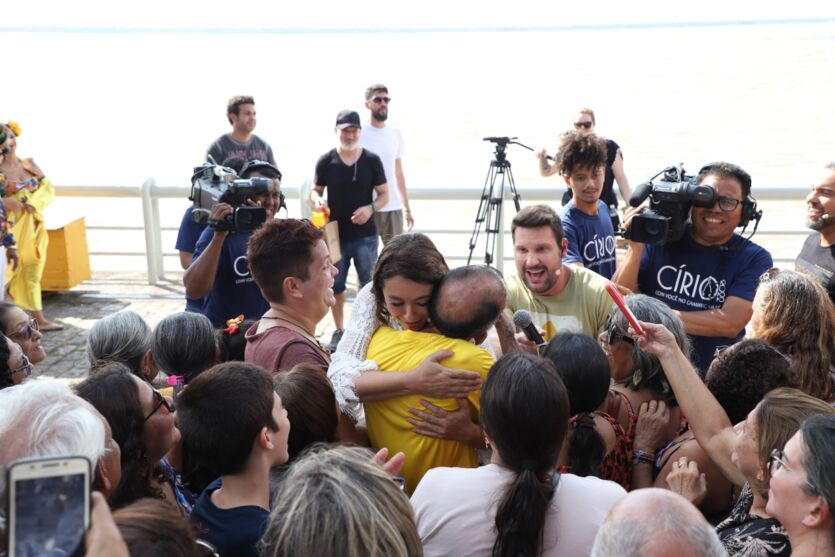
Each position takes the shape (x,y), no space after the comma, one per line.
(26,332)
(25,368)
(380,100)
(777,460)
(587,125)
(159,401)
(728,204)
(614,334)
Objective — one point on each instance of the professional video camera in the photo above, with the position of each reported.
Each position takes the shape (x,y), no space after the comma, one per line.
(213,183)
(670,200)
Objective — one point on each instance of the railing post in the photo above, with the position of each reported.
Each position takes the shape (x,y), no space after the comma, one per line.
(150,224)
(160,264)
(304,198)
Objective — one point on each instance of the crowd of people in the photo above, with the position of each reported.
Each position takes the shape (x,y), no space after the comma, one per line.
(704,425)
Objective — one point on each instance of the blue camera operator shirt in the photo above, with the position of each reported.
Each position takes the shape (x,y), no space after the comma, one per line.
(234,291)
(187,238)
(688,276)
(591,239)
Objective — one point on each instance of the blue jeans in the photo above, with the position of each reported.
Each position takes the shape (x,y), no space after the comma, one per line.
(364,253)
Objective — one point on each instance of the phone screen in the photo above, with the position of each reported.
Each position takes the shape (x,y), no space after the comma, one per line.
(49,515)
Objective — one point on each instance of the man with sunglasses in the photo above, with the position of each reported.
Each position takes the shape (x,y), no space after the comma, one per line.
(708,276)
(387,142)
(817,257)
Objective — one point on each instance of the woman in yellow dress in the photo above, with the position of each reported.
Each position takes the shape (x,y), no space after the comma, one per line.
(26,184)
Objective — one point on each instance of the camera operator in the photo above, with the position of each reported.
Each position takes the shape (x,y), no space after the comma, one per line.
(709,275)
(219,269)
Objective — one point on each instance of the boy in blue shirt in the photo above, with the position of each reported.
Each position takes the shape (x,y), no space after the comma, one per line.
(581,161)
(232,420)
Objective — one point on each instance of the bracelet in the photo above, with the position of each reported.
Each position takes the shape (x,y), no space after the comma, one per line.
(373,208)
(643,456)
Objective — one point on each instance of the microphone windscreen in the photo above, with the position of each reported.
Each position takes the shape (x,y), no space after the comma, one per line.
(522,318)
(640,193)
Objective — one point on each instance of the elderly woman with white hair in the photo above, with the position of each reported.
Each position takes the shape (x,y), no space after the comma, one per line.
(45,418)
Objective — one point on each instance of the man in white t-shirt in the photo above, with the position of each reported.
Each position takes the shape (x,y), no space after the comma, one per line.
(387,142)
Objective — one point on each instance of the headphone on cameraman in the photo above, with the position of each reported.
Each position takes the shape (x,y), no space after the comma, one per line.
(255,164)
(749,212)
(749,204)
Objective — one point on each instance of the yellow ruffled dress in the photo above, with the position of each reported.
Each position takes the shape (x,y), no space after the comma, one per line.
(29,230)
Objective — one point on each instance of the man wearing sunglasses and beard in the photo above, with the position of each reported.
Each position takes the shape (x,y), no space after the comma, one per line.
(709,275)
(387,142)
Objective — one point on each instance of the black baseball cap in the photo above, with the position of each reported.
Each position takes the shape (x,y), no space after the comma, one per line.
(347,119)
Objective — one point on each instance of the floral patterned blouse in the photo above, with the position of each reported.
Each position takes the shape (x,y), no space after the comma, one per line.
(747,535)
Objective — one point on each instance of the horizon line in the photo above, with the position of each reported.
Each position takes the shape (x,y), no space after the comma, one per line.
(385,30)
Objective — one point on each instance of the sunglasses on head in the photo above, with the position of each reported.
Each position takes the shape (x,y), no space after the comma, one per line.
(378,100)
(586,125)
(159,402)
(26,331)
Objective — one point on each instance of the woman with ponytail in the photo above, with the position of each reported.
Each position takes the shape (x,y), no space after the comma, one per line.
(517,505)
(596,444)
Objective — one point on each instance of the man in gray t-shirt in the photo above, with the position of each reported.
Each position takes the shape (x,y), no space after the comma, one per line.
(241,143)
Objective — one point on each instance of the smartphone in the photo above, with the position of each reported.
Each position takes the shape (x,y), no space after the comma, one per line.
(619,301)
(48,506)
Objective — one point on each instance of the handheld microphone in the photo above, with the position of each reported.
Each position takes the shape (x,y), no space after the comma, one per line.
(522,319)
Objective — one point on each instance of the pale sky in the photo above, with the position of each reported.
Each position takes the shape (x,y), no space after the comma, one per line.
(329,14)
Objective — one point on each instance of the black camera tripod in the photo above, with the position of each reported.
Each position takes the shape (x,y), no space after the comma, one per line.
(492,198)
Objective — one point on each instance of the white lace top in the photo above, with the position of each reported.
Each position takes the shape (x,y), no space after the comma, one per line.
(349,359)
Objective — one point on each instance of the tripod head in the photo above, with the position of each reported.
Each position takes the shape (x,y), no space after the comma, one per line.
(501,146)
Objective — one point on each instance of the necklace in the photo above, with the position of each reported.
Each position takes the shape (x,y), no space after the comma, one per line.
(299,328)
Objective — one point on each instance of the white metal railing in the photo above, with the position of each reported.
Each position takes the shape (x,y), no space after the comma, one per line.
(150,194)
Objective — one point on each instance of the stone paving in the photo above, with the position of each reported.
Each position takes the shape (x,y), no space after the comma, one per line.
(105,293)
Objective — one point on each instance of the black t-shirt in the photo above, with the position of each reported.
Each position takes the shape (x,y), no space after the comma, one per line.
(819,261)
(349,188)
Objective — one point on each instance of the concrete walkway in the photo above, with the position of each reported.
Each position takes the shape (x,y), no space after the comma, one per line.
(108,292)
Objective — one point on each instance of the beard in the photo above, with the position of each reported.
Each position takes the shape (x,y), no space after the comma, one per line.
(351,147)
(823,221)
(380,115)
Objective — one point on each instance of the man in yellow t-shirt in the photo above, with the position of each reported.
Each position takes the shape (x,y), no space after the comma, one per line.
(559,297)
(464,306)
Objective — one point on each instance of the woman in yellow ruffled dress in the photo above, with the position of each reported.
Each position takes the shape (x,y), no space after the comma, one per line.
(26,184)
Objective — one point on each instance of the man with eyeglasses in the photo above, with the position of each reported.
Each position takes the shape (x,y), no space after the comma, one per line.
(710,275)
(817,257)
(387,142)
